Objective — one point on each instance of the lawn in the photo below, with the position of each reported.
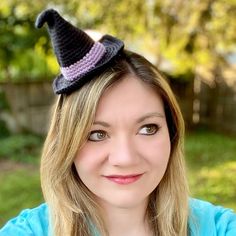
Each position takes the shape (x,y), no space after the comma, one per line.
(211,161)
(19,174)
(19,189)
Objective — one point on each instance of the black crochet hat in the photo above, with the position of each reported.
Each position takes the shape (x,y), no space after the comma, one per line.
(78,55)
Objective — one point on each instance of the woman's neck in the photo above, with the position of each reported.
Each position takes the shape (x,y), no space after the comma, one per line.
(126,221)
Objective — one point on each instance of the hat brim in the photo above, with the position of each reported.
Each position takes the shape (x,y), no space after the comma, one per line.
(112,45)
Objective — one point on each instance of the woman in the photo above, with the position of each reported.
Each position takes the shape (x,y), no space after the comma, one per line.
(112,163)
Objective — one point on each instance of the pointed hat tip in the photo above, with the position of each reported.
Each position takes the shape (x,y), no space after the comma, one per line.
(48,16)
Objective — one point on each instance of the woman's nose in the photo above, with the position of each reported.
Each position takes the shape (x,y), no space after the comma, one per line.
(124,152)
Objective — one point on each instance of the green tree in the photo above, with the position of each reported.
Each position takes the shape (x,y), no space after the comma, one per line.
(192,36)
(24,53)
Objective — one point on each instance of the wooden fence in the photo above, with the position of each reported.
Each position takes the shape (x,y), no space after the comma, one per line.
(29,106)
(212,106)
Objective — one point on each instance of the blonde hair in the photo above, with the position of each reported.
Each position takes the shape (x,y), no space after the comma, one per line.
(73,210)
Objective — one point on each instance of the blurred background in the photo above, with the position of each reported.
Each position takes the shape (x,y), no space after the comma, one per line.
(193,43)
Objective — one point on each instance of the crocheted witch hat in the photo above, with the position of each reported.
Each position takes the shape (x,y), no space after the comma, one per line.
(78,55)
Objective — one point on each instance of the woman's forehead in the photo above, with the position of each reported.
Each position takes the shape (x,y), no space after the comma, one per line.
(131,97)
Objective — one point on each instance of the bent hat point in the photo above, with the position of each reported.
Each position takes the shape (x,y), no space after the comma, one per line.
(78,55)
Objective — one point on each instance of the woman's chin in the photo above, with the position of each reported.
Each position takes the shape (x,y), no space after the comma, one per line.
(124,202)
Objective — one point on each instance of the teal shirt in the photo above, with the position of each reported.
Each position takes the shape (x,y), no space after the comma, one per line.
(206,220)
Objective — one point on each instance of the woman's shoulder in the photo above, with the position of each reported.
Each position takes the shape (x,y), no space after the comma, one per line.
(208,219)
(28,222)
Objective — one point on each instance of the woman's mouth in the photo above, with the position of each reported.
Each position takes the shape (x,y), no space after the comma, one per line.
(124,179)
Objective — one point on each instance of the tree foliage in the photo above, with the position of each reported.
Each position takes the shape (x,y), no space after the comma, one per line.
(24,53)
(187,36)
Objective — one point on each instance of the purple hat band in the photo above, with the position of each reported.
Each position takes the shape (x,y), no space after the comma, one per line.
(81,67)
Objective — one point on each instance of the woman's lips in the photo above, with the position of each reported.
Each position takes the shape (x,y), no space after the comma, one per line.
(123,179)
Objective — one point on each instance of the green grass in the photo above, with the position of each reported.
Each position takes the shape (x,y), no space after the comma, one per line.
(19,174)
(19,189)
(211,161)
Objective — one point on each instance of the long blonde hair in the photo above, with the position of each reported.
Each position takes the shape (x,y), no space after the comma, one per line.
(73,209)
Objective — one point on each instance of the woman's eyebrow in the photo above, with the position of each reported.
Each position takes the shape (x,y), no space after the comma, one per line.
(139,120)
(102,123)
(150,115)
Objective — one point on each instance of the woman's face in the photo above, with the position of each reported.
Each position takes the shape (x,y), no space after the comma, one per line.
(128,148)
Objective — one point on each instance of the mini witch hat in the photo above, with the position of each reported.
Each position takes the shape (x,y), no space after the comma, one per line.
(79,56)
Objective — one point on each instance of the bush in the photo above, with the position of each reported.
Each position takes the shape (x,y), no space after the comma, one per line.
(3,101)
(4,130)
(21,147)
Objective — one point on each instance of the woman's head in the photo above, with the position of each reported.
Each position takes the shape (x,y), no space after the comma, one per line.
(71,125)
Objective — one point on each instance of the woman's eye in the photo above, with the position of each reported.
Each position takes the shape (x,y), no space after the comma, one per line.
(97,135)
(149,129)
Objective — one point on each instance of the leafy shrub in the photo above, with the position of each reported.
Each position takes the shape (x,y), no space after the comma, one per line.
(21,147)
(4,132)
(3,101)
